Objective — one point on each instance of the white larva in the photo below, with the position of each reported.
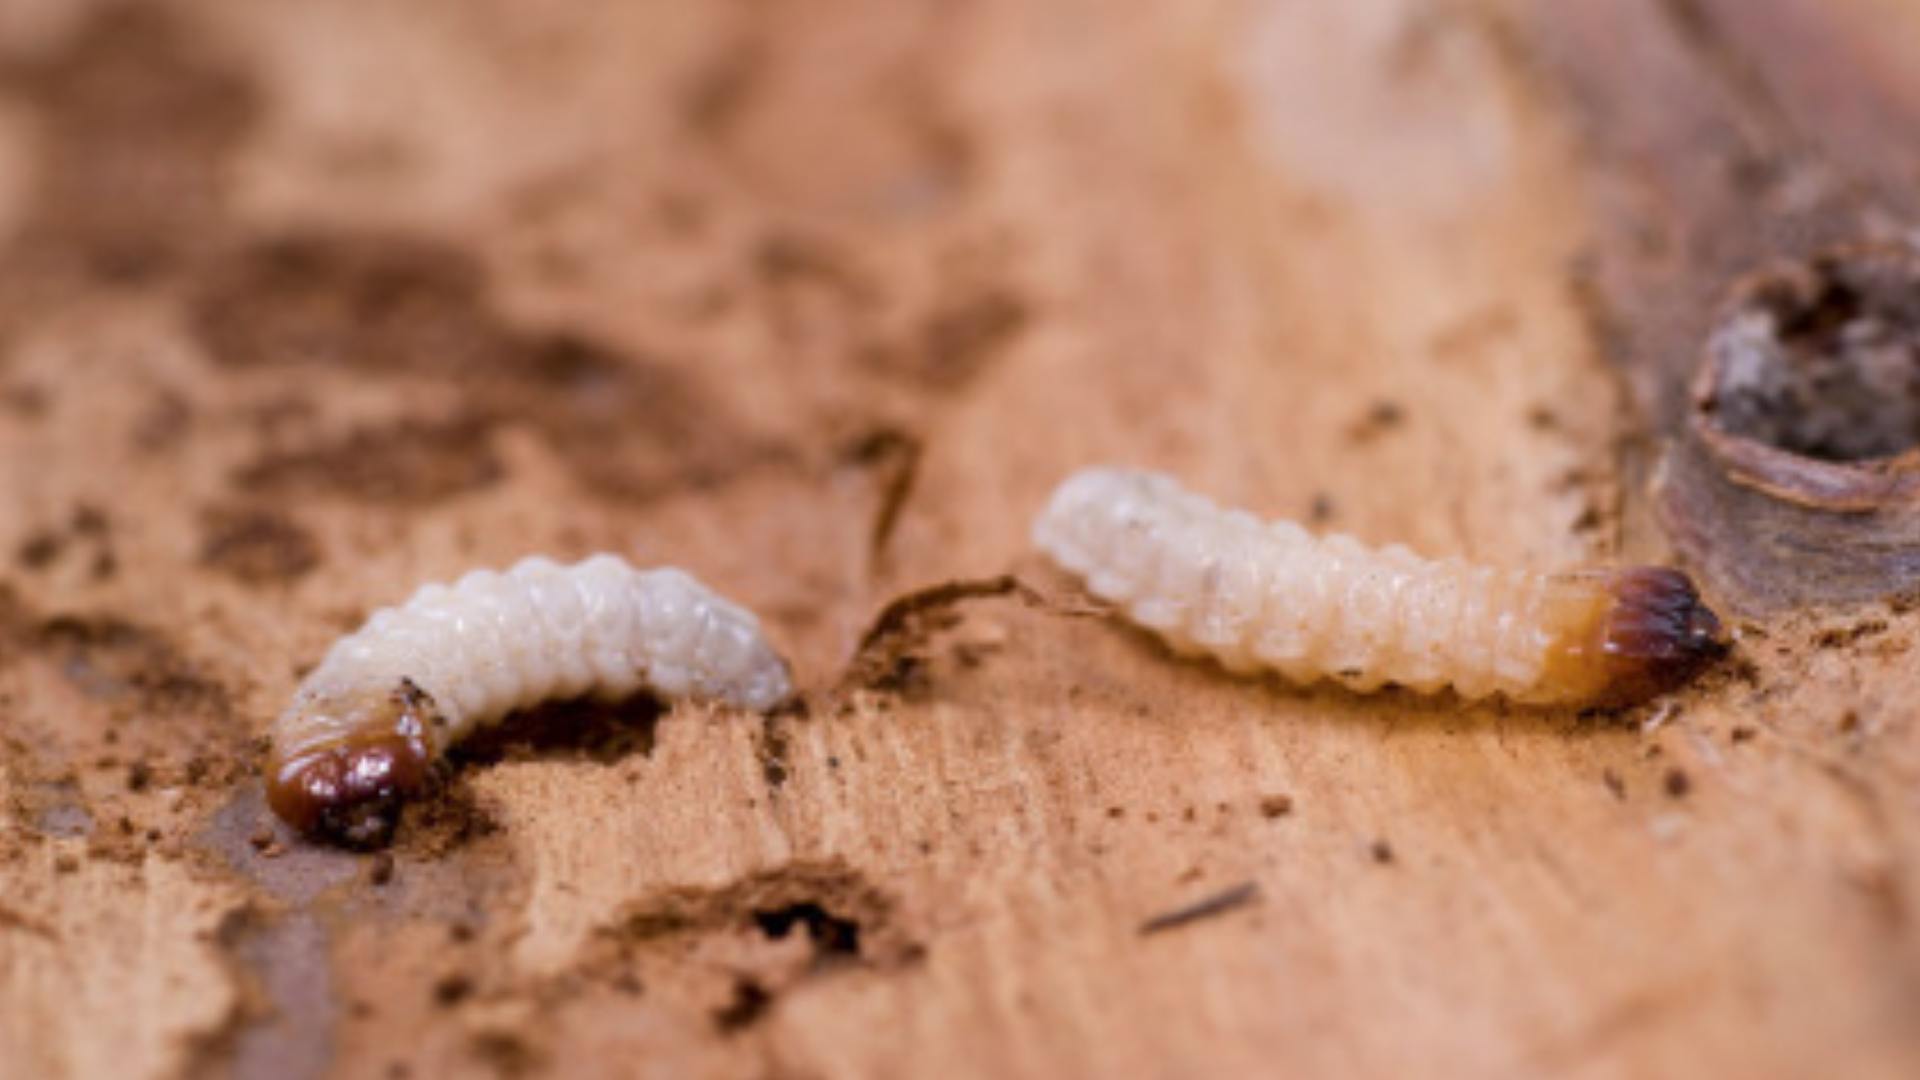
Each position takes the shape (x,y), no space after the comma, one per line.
(1270,596)
(365,729)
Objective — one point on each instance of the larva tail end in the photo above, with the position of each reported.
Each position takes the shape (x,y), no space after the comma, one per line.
(351,790)
(1649,632)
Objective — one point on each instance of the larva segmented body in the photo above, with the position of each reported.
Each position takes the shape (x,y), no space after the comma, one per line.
(1256,595)
(365,729)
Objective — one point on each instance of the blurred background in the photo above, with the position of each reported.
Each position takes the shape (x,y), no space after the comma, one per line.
(304,304)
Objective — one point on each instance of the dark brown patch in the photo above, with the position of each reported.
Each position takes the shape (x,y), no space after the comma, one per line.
(14,921)
(748,1005)
(123,663)
(139,122)
(451,990)
(957,342)
(451,820)
(39,550)
(1380,418)
(506,1053)
(118,841)
(775,749)
(26,401)
(834,938)
(405,463)
(256,545)
(370,302)
(595,731)
(790,261)
(87,528)
(629,426)
(1840,637)
(722,89)
(1276,806)
(1677,783)
(1615,786)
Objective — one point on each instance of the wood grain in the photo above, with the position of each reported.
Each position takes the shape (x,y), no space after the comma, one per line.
(304,304)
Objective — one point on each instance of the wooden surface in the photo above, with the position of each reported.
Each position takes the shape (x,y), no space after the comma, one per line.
(304,304)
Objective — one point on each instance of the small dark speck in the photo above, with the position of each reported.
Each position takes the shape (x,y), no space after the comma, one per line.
(1321,509)
(261,839)
(1678,783)
(750,1002)
(1615,786)
(1276,806)
(382,870)
(1742,733)
(1381,851)
(29,402)
(38,551)
(451,990)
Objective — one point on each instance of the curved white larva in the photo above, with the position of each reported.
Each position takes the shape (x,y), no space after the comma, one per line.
(362,730)
(492,643)
(1257,595)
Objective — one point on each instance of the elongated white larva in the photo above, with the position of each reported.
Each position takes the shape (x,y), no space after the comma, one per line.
(1256,595)
(365,729)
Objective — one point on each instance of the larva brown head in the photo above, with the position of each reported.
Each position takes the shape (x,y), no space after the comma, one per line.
(350,788)
(1645,631)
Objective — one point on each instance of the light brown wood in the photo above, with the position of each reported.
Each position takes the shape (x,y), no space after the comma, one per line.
(304,304)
